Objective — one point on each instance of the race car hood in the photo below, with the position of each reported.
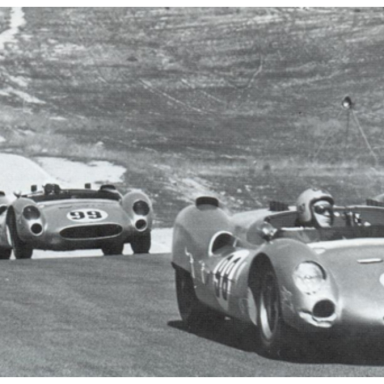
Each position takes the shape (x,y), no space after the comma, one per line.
(81,211)
(357,267)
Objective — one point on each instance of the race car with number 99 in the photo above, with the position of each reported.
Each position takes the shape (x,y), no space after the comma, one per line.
(69,219)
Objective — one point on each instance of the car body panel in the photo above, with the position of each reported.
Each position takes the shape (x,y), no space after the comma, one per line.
(5,201)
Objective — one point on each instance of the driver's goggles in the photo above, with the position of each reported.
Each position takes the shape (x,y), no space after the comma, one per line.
(321,209)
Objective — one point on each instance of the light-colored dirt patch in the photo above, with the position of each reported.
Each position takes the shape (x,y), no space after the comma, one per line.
(76,173)
(17,20)
(18,173)
(20,94)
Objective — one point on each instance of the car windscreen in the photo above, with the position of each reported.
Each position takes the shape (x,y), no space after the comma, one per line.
(311,235)
(74,194)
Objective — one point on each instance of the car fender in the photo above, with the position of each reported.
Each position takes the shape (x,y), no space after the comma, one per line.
(285,255)
(193,230)
(24,225)
(4,206)
(128,201)
(18,205)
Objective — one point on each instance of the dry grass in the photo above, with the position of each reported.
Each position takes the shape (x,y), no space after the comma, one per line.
(239,100)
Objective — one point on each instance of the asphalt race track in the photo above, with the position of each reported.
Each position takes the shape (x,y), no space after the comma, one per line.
(117,316)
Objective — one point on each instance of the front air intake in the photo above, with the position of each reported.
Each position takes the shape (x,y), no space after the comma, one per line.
(36,229)
(141,225)
(324,308)
(91,231)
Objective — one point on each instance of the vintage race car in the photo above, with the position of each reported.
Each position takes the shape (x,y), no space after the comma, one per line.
(69,219)
(260,268)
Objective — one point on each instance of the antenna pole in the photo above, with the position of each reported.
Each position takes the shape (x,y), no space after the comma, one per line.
(346,134)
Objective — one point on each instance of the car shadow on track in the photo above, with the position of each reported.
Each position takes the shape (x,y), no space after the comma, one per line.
(325,350)
(231,333)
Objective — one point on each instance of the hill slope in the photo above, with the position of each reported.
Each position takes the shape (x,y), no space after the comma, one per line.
(232,101)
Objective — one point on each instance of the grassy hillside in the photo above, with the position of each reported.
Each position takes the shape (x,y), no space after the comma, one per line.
(233,101)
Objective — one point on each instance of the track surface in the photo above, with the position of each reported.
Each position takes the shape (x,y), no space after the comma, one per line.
(117,316)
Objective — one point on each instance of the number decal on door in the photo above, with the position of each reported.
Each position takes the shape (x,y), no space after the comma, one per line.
(87,215)
(224,274)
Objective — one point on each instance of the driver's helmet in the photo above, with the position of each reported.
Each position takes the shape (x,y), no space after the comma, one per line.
(305,204)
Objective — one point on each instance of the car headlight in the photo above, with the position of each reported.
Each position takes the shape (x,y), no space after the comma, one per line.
(31,212)
(141,207)
(309,277)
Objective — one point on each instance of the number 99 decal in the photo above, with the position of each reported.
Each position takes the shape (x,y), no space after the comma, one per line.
(87,215)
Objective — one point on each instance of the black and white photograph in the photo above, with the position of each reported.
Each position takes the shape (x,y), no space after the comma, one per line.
(191,191)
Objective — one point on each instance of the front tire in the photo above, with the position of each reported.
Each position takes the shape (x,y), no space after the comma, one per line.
(113,249)
(273,332)
(193,313)
(141,243)
(20,249)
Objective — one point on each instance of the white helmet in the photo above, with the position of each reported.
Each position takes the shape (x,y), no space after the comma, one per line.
(306,200)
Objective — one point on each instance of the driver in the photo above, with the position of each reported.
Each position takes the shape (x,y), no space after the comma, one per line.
(315,209)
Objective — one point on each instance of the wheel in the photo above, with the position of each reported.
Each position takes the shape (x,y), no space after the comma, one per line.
(141,243)
(20,249)
(5,253)
(193,313)
(113,249)
(273,332)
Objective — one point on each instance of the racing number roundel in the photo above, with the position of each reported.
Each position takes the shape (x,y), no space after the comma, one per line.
(87,215)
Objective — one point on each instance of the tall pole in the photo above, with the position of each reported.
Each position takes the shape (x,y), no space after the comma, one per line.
(346,134)
(346,104)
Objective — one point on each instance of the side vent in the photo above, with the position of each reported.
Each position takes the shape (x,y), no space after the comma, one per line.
(220,240)
(277,206)
(374,203)
(3,208)
(207,200)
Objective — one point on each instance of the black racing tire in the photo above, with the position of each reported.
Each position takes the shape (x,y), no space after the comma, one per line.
(274,334)
(20,249)
(113,249)
(5,253)
(193,313)
(141,242)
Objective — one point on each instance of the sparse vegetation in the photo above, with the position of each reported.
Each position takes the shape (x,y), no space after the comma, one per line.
(238,100)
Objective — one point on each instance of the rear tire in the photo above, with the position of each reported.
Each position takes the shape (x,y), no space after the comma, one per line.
(113,249)
(20,249)
(141,243)
(193,313)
